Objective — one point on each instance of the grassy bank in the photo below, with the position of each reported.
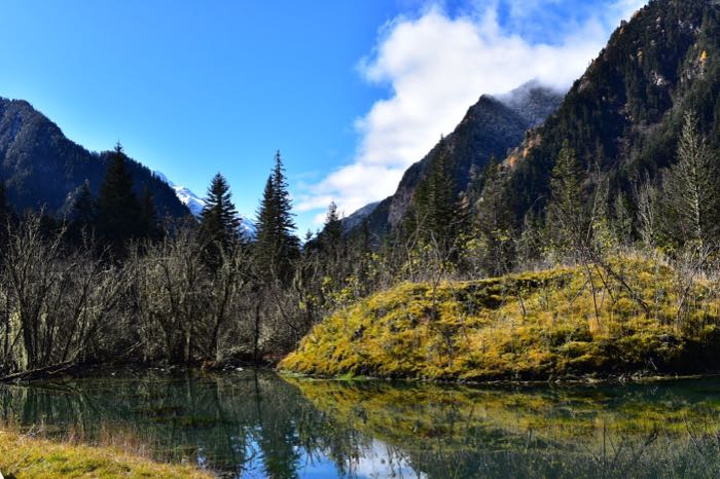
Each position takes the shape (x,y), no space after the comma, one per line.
(24,457)
(634,316)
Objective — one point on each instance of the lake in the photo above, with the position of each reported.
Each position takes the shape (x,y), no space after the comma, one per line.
(255,424)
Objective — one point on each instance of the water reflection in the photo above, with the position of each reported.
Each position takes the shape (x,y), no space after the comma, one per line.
(253,424)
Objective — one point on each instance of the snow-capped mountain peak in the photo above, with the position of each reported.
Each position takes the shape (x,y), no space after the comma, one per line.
(196,204)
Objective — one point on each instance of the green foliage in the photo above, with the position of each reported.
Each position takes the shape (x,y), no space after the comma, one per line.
(219,221)
(84,208)
(690,189)
(148,216)
(566,219)
(493,224)
(489,129)
(624,115)
(43,169)
(435,205)
(276,247)
(332,237)
(118,208)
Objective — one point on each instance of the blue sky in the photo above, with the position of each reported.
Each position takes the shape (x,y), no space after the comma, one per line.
(351,92)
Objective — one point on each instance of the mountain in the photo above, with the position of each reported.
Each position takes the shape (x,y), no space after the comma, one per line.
(356,219)
(195,204)
(43,169)
(624,115)
(489,129)
(532,101)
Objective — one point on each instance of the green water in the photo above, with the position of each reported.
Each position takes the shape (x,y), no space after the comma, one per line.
(252,424)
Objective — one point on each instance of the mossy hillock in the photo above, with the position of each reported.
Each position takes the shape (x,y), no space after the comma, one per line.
(632,317)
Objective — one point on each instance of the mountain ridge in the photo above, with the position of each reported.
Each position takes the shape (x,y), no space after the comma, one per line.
(43,169)
(490,127)
(622,116)
(196,204)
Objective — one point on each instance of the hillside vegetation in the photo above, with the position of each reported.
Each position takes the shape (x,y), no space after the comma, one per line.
(632,316)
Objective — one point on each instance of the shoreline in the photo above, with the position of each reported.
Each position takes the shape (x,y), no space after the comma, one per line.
(623,379)
(635,377)
(24,456)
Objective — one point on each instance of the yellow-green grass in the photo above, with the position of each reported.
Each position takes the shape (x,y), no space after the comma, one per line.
(561,323)
(25,457)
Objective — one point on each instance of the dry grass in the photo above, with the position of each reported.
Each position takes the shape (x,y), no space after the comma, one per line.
(559,323)
(122,454)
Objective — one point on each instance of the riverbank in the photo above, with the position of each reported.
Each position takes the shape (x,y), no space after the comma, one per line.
(22,457)
(630,318)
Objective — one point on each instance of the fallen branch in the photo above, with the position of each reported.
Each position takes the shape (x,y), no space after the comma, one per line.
(37,373)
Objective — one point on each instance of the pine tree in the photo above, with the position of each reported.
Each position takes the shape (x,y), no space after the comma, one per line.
(83,216)
(83,212)
(566,222)
(117,207)
(332,233)
(276,246)
(148,219)
(492,223)
(691,187)
(647,199)
(435,205)
(219,218)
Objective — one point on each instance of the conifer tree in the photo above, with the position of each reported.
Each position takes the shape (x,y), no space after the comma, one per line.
(276,246)
(219,218)
(492,223)
(435,206)
(691,187)
(148,219)
(83,212)
(83,216)
(566,222)
(332,233)
(117,207)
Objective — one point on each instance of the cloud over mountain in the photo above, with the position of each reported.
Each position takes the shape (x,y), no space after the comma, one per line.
(437,62)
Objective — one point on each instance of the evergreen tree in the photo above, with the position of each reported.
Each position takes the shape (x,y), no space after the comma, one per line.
(219,219)
(566,221)
(148,219)
(435,206)
(117,207)
(691,186)
(493,223)
(647,200)
(83,212)
(529,245)
(276,246)
(83,216)
(332,233)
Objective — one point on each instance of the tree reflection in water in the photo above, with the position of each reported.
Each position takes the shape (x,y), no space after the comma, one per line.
(255,424)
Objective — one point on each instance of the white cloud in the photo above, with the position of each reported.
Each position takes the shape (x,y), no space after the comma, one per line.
(437,65)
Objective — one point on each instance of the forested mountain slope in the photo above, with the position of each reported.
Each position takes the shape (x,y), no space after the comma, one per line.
(489,129)
(623,116)
(43,169)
